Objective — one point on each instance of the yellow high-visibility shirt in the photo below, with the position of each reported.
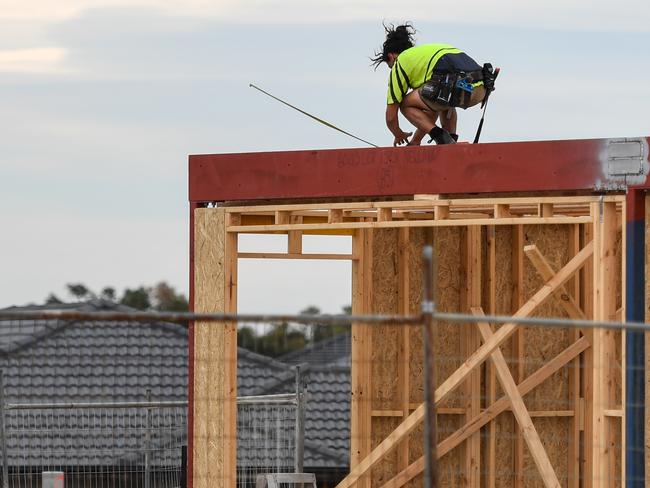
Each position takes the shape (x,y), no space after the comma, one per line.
(415,65)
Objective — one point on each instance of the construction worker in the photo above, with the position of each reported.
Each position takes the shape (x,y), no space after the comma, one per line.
(427,83)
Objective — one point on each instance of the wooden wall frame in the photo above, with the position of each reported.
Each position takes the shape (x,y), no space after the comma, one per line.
(589,281)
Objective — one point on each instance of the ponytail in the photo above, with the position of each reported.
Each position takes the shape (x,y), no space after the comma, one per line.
(398,39)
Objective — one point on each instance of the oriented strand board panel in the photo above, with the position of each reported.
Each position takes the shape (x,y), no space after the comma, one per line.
(384,347)
(551,403)
(384,382)
(213,367)
(542,344)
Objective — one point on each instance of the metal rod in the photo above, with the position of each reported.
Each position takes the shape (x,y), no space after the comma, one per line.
(317,119)
(53,406)
(184,317)
(323,319)
(300,422)
(282,398)
(3,437)
(147,446)
(430,437)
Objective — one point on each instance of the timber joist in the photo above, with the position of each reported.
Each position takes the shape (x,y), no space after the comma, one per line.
(422,211)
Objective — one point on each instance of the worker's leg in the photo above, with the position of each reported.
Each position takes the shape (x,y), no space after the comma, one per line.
(423,116)
(449,120)
(416,140)
(417,112)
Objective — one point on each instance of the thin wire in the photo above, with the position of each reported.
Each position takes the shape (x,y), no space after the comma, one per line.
(317,119)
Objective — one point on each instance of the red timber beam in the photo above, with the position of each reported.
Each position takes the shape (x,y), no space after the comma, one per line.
(573,165)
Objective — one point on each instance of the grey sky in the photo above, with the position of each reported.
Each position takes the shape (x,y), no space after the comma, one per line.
(102,103)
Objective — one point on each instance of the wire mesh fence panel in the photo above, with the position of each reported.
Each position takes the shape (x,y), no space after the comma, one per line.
(266,440)
(96,447)
(106,403)
(94,370)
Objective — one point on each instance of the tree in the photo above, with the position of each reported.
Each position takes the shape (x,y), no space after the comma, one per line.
(137,298)
(108,293)
(52,299)
(280,340)
(79,291)
(320,331)
(166,299)
(247,338)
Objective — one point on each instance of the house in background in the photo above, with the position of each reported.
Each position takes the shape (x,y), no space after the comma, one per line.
(54,361)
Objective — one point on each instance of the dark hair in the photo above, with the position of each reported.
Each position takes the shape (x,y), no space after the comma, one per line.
(397,40)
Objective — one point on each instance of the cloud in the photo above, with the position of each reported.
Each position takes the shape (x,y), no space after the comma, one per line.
(32,60)
(600,15)
(47,10)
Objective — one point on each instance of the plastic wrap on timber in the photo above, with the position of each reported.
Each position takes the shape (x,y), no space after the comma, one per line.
(462,168)
(647,336)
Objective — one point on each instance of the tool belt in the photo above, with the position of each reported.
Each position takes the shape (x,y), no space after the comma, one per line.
(454,89)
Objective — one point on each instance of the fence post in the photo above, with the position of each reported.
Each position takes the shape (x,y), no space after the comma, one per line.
(300,423)
(3,437)
(147,445)
(428,309)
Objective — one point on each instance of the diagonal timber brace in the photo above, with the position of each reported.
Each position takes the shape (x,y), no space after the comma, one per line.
(492,411)
(475,359)
(528,431)
(545,270)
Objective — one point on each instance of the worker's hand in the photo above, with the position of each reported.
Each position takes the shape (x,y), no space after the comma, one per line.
(402,138)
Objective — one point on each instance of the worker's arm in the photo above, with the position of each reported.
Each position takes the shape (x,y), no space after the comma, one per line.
(392,123)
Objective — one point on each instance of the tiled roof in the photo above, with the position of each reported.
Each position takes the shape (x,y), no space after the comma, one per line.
(335,350)
(68,361)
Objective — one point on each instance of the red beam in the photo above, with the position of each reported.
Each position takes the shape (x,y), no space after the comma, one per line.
(462,168)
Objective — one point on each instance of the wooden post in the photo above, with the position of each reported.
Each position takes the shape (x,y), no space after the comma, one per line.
(404,348)
(490,376)
(603,390)
(361,401)
(518,344)
(587,305)
(470,342)
(215,353)
(573,452)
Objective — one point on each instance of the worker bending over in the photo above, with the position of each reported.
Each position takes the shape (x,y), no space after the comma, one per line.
(428,82)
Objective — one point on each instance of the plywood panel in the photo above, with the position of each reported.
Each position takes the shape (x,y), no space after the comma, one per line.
(213,361)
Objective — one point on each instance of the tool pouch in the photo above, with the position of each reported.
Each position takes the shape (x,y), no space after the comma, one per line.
(448,90)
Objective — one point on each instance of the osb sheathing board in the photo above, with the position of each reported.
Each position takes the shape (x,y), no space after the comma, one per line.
(540,346)
(208,356)
(215,355)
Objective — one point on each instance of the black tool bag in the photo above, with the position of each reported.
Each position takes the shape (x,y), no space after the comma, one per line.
(448,89)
